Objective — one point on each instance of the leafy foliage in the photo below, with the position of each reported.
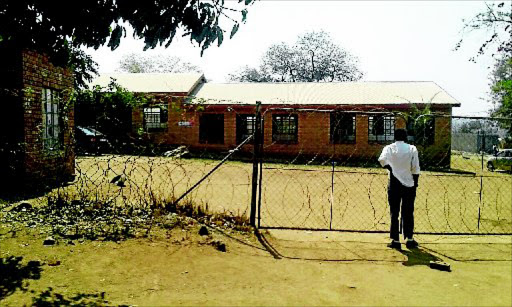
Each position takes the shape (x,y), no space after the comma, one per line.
(142,63)
(313,58)
(496,20)
(419,124)
(108,109)
(95,23)
(476,127)
(59,28)
(83,66)
(501,86)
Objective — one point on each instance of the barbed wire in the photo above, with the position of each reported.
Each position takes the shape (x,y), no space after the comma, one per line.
(314,183)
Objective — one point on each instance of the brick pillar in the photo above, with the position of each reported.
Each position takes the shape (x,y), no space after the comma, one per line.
(361,131)
(230,129)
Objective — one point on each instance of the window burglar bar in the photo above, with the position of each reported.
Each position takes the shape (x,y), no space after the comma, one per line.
(285,128)
(155,118)
(343,128)
(245,127)
(381,129)
(51,119)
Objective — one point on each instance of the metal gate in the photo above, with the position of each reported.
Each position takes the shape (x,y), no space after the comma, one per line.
(347,191)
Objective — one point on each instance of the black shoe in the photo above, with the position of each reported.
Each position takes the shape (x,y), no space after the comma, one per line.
(395,244)
(411,244)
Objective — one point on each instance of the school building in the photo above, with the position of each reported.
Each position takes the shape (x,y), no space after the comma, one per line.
(338,120)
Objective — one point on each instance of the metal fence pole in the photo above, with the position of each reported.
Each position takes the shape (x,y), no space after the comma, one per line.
(260,124)
(257,140)
(332,194)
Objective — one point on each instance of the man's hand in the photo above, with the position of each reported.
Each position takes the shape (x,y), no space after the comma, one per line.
(415,178)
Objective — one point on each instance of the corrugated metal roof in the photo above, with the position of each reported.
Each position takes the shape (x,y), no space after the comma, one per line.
(153,82)
(339,93)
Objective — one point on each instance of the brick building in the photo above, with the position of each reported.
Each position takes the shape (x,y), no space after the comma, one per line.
(338,120)
(35,132)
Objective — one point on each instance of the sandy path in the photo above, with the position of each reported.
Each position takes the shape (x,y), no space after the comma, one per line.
(176,272)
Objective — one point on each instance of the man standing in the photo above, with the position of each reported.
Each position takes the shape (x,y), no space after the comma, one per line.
(401,160)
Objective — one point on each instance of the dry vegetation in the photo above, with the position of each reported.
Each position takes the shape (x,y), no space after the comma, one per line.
(303,196)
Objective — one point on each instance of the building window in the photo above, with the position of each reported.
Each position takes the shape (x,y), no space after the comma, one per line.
(343,128)
(52,137)
(245,125)
(211,129)
(285,128)
(155,118)
(421,131)
(381,129)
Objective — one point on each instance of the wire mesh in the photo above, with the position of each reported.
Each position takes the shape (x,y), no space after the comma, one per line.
(319,166)
(320,184)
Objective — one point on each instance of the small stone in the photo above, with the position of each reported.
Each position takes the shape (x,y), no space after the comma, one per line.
(203,231)
(49,241)
(219,245)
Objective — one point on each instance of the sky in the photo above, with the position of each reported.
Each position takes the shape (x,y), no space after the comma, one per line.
(393,40)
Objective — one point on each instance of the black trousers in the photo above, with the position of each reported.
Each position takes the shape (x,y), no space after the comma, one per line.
(400,194)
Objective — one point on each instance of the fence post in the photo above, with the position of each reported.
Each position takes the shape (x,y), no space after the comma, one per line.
(256,156)
(261,138)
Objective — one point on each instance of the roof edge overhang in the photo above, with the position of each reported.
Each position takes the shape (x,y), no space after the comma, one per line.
(387,105)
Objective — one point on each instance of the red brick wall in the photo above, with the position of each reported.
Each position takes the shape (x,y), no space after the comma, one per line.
(40,163)
(313,132)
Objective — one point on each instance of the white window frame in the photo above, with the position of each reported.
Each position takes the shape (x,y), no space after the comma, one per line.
(52,137)
(388,129)
(153,118)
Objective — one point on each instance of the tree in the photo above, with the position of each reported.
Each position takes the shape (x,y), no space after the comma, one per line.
(249,74)
(313,58)
(160,63)
(61,27)
(501,86)
(496,20)
(108,109)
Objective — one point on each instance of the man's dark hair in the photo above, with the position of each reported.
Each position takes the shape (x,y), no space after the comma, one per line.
(400,135)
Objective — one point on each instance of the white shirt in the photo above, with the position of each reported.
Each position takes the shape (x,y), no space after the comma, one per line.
(403,159)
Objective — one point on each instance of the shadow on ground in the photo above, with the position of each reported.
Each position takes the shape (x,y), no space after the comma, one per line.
(11,193)
(465,251)
(14,274)
(50,298)
(330,250)
(418,256)
(330,246)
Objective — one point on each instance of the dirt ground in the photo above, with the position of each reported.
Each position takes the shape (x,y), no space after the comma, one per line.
(179,267)
(309,196)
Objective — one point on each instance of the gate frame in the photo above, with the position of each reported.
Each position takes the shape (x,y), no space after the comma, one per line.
(258,175)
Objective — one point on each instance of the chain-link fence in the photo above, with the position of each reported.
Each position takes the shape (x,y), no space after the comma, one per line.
(329,178)
(293,167)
